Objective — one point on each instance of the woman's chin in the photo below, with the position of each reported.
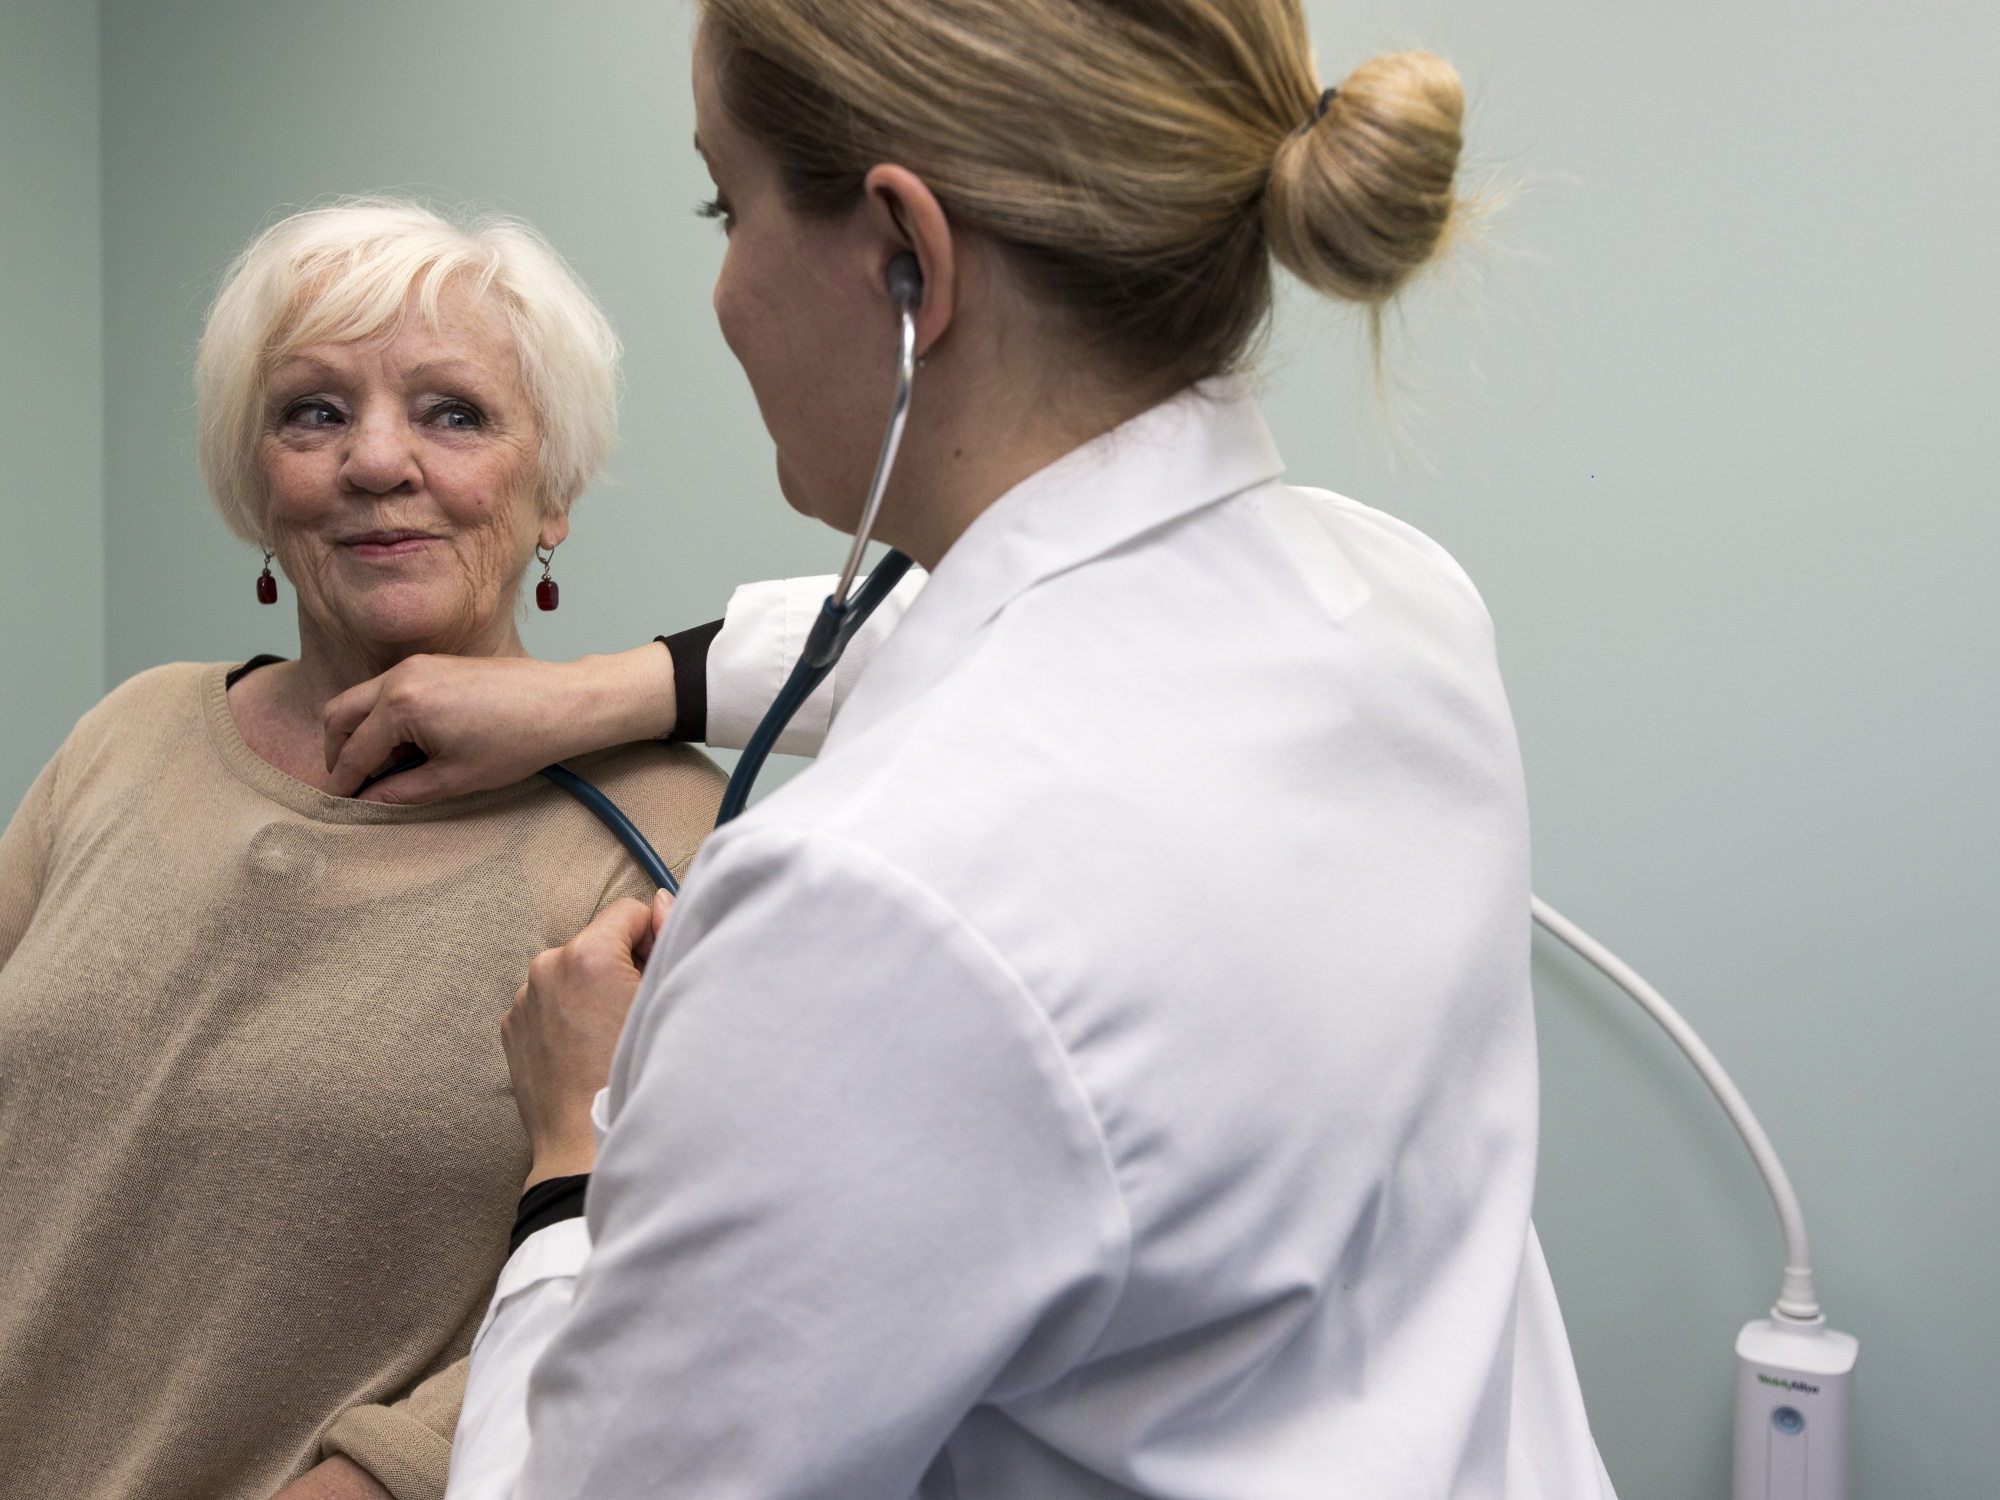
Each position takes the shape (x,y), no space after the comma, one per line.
(392,625)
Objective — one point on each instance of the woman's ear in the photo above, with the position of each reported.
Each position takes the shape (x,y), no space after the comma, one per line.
(554,532)
(906,215)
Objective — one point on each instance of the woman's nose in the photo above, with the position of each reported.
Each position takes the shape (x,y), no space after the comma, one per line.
(380,456)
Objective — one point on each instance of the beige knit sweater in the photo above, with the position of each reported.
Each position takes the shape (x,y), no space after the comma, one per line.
(258,1153)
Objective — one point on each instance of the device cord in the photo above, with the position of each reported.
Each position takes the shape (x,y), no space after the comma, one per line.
(1796,1302)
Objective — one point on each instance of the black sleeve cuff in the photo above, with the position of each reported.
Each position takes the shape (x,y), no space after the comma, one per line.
(689,650)
(547,1203)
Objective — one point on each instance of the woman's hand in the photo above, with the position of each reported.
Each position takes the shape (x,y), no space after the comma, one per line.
(488,721)
(338,1478)
(564,1026)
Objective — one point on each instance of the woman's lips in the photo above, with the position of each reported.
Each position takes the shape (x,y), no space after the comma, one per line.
(386,544)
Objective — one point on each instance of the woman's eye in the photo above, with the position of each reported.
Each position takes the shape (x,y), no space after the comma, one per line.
(716,208)
(456,416)
(313,413)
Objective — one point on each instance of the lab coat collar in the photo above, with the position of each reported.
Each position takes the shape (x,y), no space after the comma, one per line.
(1192,450)
(1204,445)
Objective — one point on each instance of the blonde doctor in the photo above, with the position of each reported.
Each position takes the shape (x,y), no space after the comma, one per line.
(1059,1091)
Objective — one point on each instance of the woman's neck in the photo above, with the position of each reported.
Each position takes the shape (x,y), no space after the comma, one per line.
(278,709)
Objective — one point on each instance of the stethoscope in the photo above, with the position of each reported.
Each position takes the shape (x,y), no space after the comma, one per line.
(839,617)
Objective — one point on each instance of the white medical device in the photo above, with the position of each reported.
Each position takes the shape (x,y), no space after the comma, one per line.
(1794,1375)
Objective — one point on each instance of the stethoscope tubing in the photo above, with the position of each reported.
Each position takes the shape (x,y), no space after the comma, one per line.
(613,817)
(828,639)
(607,811)
(885,459)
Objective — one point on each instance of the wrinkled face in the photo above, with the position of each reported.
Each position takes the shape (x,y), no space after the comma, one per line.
(799,304)
(401,473)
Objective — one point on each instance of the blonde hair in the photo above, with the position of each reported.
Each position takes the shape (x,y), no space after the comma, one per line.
(347,272)
(1143,160)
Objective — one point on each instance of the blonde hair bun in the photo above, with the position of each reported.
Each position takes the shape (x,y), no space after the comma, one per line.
(1364,197)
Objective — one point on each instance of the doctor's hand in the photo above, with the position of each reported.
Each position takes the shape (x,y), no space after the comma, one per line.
(564,1026)
(489,721)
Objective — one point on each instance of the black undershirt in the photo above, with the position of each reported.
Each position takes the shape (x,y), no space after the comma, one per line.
(247,668)
(547,1203)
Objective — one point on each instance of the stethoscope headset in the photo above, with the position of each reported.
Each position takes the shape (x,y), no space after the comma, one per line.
(839,617)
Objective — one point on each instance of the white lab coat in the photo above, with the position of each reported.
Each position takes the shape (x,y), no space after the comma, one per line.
(1109,1071)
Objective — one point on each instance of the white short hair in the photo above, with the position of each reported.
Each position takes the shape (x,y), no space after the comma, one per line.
(346,272)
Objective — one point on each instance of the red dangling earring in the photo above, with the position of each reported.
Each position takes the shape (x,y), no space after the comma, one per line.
(267,586)
(547,595)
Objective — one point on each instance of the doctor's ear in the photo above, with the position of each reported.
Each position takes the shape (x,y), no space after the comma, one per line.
(912,222)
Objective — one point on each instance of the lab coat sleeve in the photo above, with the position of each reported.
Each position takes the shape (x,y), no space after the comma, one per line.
(529,1305)
(763,632)
(852,1188)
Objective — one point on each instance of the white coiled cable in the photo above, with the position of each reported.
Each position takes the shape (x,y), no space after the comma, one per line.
(1796,1302)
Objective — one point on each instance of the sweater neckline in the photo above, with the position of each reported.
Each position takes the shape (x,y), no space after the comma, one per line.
(265,779)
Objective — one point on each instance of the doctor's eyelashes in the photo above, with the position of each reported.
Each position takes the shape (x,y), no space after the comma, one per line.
(715,208)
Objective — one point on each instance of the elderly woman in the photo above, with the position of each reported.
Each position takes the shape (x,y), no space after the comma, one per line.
(257,1143)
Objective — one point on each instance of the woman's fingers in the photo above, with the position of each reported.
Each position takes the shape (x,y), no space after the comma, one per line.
(366,725)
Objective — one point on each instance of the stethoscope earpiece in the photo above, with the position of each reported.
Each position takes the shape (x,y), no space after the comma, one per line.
(906,282)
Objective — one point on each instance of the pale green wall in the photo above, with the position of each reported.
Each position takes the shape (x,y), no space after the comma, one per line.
(1710,435)
(51,383)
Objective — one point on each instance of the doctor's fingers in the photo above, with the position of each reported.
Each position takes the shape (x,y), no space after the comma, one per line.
(663,904)
(595,973)
(565,1021)
(484,721)
(365,726)
(478,719)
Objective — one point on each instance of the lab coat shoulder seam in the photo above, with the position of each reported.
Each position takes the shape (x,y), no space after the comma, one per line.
(1420,542)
